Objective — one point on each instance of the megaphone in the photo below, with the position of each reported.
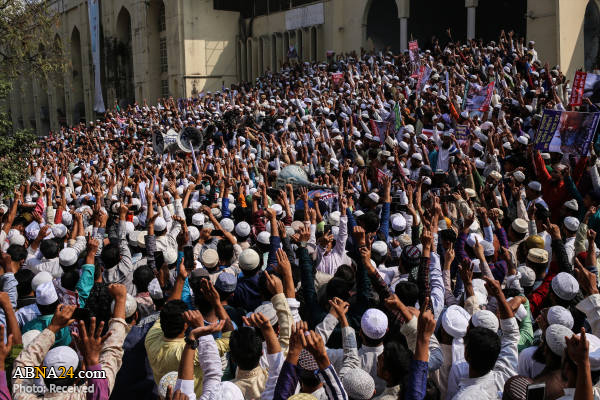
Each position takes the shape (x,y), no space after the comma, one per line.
(189,138)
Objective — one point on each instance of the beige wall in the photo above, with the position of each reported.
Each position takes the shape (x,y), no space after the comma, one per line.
(205,49)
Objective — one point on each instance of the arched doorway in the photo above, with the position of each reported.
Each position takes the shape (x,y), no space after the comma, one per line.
(58,80)
(123,60)
(77,101)
(591,36)
(432,18)
(383,25)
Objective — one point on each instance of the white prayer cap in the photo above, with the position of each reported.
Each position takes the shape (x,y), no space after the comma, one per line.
(409,128)
(571,224)
(40,278)
(495,175)
(572,205)
(28,337)
(231,391)
(216,212)
(45,294)
(527,276)
(129,227)
(555,338)
(480,164)
(155,290)
(195,205)
(399,223)
(417,156)
(17,239)
(519,176)
(374,323)
(594,352)
(359,384)
(565,286)
(538,256)
(380,247)
(535,185)
(519,225)
(485,319)
(523,140)
(263,237)
(471,238)
(208,226)
(194,233)
(169,379)
(170,256)
(545,156)
(334,218)
(455,321)
(478,147)
(268,311)
(160,224)
(561,316)
(242,229)
(59,230)
(277,208)
(198,219)
(227,224)
(61,356)
(67,257)
(130,306)
(249,259)
(210,258)
(374,197)
(67,218)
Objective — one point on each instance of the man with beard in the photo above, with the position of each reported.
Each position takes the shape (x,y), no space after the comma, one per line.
(553,185)
(446,148)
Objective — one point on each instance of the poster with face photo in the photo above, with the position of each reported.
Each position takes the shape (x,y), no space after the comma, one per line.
(570,132)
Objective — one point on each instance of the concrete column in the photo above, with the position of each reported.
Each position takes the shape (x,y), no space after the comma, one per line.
(471,6)
(403,34)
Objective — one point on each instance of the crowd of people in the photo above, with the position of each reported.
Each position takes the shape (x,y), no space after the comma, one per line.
(409,265)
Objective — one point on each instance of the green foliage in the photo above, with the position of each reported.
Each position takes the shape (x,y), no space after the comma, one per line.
(15,149)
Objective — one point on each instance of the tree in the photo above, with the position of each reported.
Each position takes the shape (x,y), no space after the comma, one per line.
(27,29)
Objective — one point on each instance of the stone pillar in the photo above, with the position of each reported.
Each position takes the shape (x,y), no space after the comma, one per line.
(403,15)
(471,6)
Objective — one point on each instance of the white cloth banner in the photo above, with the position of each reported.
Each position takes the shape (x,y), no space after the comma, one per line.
(94,17)
(304,16)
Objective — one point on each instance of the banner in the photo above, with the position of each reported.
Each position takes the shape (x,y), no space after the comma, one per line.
(304,16)
(398,117)
(591,89)
(477,98)
(462,133)
(381,173)
(379,128)
(571,132)
(94,17)
(423,77)
(578,89)
(337,79)
(413,53)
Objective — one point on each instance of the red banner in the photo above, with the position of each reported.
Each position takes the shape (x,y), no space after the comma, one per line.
(578,87)
(337,79)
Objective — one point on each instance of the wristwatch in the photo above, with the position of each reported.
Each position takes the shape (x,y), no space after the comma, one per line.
(191,342)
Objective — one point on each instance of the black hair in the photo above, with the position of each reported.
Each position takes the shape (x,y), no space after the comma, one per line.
(98,304)
(49,249)
(110,255)
(17,252)
(171,318)
(407,292)
(345,272)
(24,278)
(338,287)
(396,360)
(449,235)
(308,378)
(225,250)
(511,292)
(48,309)
(69,279)
(142,278)
(519,236)
(482,347)
(369,221)
(537,267)
(541,213)
(245,347)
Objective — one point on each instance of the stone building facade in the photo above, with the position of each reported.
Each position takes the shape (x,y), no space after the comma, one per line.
(155,48)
